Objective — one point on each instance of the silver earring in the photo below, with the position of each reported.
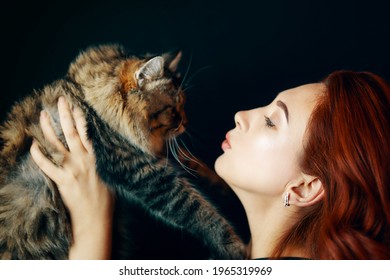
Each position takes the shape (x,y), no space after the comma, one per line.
(286,199)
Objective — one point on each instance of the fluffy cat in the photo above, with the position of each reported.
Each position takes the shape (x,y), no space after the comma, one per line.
(132,106)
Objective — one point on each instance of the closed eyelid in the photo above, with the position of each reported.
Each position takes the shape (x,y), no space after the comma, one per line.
(269,122)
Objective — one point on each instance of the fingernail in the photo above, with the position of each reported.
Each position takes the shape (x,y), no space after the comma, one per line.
(61,99)
(43,114)
(34,141)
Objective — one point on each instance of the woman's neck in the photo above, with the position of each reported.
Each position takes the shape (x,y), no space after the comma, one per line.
(268,220)
(265,228)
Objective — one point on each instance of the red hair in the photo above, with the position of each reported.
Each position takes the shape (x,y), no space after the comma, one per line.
(347,148)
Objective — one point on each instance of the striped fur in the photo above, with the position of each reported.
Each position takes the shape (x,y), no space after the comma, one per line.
(132,106)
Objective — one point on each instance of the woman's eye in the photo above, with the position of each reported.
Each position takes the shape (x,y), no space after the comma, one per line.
(268,122)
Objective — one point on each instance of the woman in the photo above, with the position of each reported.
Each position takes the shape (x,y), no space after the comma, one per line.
(311,170)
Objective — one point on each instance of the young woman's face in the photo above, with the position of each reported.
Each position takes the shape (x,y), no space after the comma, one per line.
(261,154)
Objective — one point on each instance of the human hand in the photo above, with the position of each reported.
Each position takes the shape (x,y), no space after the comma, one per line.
(88,200)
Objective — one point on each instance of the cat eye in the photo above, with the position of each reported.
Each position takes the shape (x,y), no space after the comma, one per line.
(268,122)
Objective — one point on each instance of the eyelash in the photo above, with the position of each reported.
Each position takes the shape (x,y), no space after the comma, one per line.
(268,122)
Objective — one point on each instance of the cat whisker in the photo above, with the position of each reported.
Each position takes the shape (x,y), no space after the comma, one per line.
(197,72)
(187,155)
(187,84)
(173,150)
(187,88)
(186,73)
(173,146)
(188,135)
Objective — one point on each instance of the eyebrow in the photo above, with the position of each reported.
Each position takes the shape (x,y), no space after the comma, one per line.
(282,105)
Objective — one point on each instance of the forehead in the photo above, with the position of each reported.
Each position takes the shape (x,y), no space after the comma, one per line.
(301,100)
(304,93)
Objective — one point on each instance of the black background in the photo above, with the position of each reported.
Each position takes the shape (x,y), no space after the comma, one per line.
(239,54)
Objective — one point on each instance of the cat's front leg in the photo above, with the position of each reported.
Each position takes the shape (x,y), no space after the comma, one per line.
(172,199)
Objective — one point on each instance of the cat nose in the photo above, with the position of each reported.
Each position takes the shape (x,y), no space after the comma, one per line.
(184,120)
(181,122)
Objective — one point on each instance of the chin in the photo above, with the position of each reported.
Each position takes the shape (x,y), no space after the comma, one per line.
(218,166)
(223,168)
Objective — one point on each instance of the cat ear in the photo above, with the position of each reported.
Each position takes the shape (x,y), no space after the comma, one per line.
(172,60)
(151,70)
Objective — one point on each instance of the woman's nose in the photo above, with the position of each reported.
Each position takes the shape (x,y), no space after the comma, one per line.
(239,119)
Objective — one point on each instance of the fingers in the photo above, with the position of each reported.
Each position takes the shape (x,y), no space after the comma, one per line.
(49,133)
(81,126)
(70,132)
(45,164)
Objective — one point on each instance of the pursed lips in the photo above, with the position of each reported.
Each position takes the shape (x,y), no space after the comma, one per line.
(226,143)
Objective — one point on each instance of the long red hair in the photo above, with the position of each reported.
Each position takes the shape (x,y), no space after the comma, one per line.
(347,148)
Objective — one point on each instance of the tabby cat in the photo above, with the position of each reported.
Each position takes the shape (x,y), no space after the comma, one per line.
(132,105)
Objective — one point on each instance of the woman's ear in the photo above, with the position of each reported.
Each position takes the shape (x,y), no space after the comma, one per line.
(306,191)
